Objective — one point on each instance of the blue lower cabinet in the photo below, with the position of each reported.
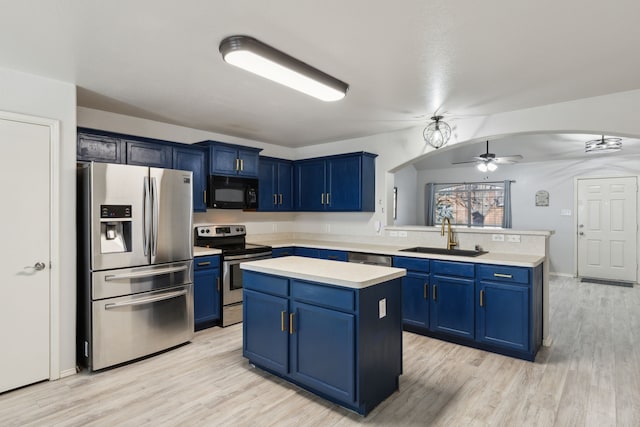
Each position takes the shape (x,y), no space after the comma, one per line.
(452,306)
(206,291)
(306,252)
(416,293)
(332,254)
(280,252)
(502,315)
(265,330)
(330,340)
(323,350)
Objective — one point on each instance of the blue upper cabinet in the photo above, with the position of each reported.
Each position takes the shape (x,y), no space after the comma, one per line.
(193,159)
(149,154)
(336,183)
(276,184)
(99,148)
(232,160)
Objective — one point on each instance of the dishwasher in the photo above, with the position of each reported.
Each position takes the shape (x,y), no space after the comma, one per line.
(371,259)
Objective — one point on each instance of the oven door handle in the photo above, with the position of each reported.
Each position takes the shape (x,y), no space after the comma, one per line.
(246,256)
(143,301)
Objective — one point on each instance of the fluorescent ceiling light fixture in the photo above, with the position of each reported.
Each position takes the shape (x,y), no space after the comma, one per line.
(261,59)
(603,145)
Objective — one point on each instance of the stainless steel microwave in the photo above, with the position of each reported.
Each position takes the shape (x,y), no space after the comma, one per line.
(228,192)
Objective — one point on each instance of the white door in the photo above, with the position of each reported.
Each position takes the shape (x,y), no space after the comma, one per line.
(607,228)
(24,253)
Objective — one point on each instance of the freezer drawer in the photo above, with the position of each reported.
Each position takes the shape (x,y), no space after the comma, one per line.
(129,327)
(126,281)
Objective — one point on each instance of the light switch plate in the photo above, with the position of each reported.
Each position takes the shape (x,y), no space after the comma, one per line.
(393,234)
(382,308)
(402,234)
(515,238)
(497,237)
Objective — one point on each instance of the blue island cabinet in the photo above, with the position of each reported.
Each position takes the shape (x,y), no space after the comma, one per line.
(336,342)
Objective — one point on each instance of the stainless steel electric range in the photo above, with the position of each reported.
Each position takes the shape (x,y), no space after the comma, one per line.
(231,239)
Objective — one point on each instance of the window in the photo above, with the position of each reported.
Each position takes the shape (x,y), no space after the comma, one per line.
(470,204)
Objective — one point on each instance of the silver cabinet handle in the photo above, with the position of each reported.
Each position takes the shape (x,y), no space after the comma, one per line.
(328,196)
(241,164)
(38,266)
(143,274)
(280,198)
(322,199)
(275,199)
(506,276)
(145,300)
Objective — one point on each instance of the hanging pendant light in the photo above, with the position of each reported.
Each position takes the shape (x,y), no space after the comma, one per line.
(603,145)
(437,133)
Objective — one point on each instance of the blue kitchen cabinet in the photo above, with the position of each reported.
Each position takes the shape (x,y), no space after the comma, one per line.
(508,300)
(309,185)
(206,291)
(99,148)
(416,292)
(193,159)
(265,342)
(452,299)
(280,252)
(275,184)
(336,183)
(232,160)
(323,350)
(149,154)
(332,254)
(306,252)
(328,339)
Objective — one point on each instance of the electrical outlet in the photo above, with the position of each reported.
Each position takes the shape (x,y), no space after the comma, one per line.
(515,238)
(497,237)
(393,234)
(402,234)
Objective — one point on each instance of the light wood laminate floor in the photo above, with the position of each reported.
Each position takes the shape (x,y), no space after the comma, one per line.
(590,376)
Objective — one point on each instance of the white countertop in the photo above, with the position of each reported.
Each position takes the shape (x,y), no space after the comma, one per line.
(345,274)
(517,260)
(199,251)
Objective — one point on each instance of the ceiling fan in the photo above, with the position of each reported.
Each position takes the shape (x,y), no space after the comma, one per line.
(489,162)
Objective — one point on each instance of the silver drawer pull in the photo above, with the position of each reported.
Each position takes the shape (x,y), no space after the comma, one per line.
(145,300)
(506,276)
(142,274)
(202,264)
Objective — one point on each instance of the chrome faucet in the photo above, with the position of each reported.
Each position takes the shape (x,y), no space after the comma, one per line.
(450,242)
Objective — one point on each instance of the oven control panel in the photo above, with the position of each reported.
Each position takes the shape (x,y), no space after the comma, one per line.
(220,230)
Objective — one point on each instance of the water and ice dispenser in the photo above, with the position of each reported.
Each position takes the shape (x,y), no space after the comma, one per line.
(115,228)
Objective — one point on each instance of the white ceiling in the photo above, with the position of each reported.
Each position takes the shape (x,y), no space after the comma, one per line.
(404,60)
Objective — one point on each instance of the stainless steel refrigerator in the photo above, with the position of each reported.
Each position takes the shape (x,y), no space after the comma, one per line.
(135,269)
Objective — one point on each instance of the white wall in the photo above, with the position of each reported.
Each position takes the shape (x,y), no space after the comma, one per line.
(42,97)
(557,177)
(406,180)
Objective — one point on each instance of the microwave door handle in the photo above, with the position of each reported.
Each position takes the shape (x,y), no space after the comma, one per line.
(145,217)
(154,210)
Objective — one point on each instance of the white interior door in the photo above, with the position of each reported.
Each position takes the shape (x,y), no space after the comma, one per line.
(24,253)
(607,228)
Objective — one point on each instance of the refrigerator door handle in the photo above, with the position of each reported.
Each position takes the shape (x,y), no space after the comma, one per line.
(154,223)
(143,274)
(145,219)
(162,297)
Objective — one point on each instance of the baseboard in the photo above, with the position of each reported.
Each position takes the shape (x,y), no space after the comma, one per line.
(547,341)
(67,372)
(562,274)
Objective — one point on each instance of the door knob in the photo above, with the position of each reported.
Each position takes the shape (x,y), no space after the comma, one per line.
(37,266)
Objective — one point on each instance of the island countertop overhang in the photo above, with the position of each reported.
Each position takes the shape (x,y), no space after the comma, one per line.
(345,274)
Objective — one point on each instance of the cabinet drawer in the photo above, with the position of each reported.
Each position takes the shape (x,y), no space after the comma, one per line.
(452,268)
(206,262)
(326,296)
(265,283)
(332,254)
(306,252)
(503,273)
(412,264)
(280,252)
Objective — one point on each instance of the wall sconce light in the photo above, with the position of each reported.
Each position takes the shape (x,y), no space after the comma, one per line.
(261,59)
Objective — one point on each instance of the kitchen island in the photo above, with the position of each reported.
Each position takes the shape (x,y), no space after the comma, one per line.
(330,327)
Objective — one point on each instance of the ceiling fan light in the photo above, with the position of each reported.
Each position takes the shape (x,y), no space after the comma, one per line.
(603,145)
(491,166)
(482,167)
(437,133)
(252,55)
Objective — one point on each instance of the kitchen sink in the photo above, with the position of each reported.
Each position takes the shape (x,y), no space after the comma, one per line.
(442,251)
